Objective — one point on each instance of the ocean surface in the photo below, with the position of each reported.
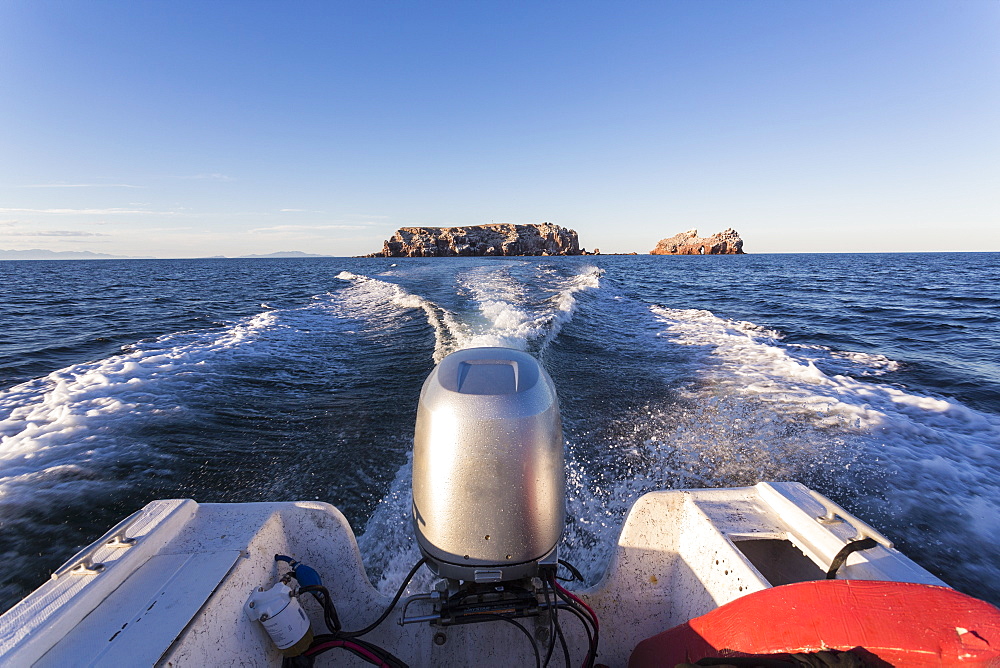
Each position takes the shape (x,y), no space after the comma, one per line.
(874,379)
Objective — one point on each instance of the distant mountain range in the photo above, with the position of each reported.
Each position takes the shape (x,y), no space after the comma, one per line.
(39,254)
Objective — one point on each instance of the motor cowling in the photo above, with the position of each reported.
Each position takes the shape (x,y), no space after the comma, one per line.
(488,469)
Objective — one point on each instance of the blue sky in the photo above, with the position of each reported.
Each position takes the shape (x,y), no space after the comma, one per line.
(185,129)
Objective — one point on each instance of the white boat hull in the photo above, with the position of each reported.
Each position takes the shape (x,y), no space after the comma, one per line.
(175,596)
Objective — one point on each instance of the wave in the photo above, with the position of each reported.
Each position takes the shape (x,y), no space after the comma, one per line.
(804,380)
(515,319)
(46,421)
(372,298)
(508,311)
(915,458)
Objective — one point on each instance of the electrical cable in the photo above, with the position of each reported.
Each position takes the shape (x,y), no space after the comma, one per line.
(553,620)
(562,641)
(576,576)
(321,594)
(310,582)
(337,638)
(385,655)
(395,600)
(578,606)
(534,645)
(351,647)
(562,638)
(593,615)
(572,569)
(361,648)
(583,621)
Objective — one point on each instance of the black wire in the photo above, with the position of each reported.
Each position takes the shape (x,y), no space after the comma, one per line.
(385,656)
(550,582)
(590,617)
(562,641)
(585,620)
(552,621)
(534,645)
(395,600)
(572,569)
(356,652)
(322,595)
(577,608)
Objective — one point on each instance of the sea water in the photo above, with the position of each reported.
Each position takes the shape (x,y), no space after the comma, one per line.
(874,379)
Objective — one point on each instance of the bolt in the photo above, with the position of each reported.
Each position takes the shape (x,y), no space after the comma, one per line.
(251,604)
(440,638)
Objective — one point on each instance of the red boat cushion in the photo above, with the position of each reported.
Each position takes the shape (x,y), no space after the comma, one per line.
(887,623)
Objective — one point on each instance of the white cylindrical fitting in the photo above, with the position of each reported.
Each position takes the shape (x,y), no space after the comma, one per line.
(280,614)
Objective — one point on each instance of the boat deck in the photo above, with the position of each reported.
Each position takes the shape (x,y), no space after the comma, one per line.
(168,585)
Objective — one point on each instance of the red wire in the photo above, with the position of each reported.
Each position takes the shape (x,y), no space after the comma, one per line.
(346,643)
(593,615)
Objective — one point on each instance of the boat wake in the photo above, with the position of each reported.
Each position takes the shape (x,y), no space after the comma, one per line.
(652,398)
(492,307)
(901,460)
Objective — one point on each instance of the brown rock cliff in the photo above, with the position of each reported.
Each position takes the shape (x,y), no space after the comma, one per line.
(475,240)
(689,243)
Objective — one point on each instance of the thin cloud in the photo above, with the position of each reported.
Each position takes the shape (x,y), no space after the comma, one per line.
(54,233)
(80,185)
(92,212)
(149,230)
(355,217)
(304,228)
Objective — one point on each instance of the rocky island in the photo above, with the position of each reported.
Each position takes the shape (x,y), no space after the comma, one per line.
(480,240)
(689,243)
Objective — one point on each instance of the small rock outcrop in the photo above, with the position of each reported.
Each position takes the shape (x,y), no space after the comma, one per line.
(689,243)
(475,240)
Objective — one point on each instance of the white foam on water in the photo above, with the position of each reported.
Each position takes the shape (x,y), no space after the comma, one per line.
(937,474)
(508,312)
(372,299)
(512,316)
(751,361)
(387,545)
(86,415)
(54,420)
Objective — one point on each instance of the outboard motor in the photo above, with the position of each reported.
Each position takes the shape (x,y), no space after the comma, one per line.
(488,479)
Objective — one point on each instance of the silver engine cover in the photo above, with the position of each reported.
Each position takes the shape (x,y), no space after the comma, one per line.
(488,479)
